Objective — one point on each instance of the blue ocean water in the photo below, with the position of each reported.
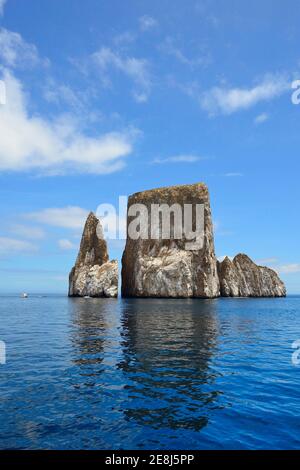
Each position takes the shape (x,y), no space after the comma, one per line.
(149,374)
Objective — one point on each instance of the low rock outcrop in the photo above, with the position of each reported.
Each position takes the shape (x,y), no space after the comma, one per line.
(241,277)
(165,267)
(93,274)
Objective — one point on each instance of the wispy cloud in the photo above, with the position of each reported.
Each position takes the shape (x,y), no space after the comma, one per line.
(168,47)
(136,69)
(12,246)
(206,14)
(36,272)
(289,268)
(127,37)
(218,229)
(61,93)
(54,146)
(62,278)
(147,23)
(263,117)
(2,4)
(233,174)
(16,52)
(266,261)
(71,217)
(34,233)
(224,100)
(65,244)
(179,159)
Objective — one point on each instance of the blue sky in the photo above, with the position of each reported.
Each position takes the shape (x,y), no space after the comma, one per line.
(106,98)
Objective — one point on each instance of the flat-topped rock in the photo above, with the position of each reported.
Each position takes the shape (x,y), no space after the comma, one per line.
(165,267)
(241,277)
(93,274)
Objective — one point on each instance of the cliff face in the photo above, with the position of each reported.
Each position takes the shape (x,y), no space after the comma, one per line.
(243,278)
(93,274)
(165,267)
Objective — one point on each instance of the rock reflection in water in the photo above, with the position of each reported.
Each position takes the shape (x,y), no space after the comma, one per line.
(167,348)
(91,320)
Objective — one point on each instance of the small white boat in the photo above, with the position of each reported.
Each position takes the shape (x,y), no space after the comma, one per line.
(24,295)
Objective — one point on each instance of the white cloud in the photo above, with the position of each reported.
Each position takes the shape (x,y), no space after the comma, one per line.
(126,37)
(12,246)
(147,23)
(280,269)
(168,47)
(71,217)
(266,261)
(216,225)
(66,244)
(263,117)
(135,69)
(289,268)
(222,100)
(219,231)
(27,232)
(2,3)
(56,93)
(16,52)
(140,97)
(60,278)
(179,159)
(31,142)
(74,100)
(233,175)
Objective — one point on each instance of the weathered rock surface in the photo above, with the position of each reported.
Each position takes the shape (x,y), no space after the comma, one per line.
(164,267)
(93,274)
(241,277)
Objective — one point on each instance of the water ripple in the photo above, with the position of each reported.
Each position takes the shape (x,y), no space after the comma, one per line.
(149,374)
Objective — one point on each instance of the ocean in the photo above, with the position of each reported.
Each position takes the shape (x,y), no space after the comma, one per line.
(149,373)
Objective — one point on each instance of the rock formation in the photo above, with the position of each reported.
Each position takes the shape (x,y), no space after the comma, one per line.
(165,267)
(155,265)
(93,274)
(241,277)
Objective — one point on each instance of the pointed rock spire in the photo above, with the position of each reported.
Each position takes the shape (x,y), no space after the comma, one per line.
(93,274)
(93,248)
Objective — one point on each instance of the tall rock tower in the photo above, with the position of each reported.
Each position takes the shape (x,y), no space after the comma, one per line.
(167,267)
